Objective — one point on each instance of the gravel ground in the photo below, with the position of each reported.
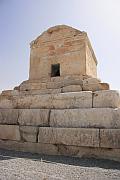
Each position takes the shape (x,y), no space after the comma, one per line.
(22,166)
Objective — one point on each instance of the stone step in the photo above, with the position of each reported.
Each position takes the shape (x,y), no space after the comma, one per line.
(86,118)
(71,118)
(56,101)
(83,99)
(84,137)
(69,136)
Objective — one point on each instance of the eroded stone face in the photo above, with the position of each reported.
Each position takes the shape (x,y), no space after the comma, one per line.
(35,117)
(106,98)
(9,132)
(84,118)
(69,136)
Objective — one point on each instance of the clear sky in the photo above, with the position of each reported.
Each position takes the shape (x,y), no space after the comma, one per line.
(21,21)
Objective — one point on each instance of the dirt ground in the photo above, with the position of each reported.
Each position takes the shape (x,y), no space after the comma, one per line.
(27,166)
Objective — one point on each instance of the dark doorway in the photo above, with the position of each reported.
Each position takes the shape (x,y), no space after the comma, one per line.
(55,70)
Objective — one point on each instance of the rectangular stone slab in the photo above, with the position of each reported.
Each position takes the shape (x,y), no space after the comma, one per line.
(110,138)
(35,117)
(28,133)
(10,132)
(72,88)
(8,116)
(6,102)
(84,118)
(106,98)
(69,136)
(54,101)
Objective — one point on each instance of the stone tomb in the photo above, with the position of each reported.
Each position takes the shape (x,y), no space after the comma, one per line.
(63,108)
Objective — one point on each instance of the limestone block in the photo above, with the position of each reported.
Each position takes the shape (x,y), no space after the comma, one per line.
(117,117)
(91,81)
(95,87)
(69,136)
(32,85)
(54,85)
(84,118)
(40,92)
(72,100)
(60,101)
(72,88)
(28,133)
(8,116)
(40,148)
(35,117)
(106,98)
(66,78)
(62,83)
(34,102)
(10,93)
(110,138)
(10,132)
(6,102)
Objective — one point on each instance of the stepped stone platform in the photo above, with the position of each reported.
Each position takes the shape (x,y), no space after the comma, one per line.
(63,108)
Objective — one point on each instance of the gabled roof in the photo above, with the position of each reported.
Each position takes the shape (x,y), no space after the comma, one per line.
(56,32)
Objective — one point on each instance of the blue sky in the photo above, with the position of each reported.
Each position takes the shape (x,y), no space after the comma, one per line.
(21,21)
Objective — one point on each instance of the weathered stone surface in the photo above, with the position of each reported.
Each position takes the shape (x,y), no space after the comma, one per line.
(10,132)
(84,118)
(40,148)
(28,133)
(6,102)
(32,85)
(95,87)
(63,83)
(10,93)
(110,138)
(69,136)
(50,149)
(40,92)
(63,45)
(72,100)
(8,116)
(94,84)
(72,88)
(35,117)
(117,117)
(62,100)
(106,98)
(91,81)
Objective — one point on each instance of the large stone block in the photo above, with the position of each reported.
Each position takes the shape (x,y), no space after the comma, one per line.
(60,101)
(6,102)
(28,133)
(95,87)
(10,93)
(106,98)
(10,132)
(69,136)
(39,148)
(72,100)
(35,117)
(9,116)
(91,81)
(110,138)
(117,117)
(72,88)
(84,118)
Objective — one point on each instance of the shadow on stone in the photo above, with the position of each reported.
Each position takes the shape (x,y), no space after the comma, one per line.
(75,161)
